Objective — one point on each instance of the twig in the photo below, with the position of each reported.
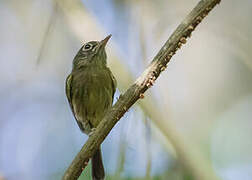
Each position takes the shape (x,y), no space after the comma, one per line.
(145,81)
(47,32)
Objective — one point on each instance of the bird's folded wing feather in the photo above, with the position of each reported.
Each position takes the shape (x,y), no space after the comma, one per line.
(69,90)
(114,82)
(69,97)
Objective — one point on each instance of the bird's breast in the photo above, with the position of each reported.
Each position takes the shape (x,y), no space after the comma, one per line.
(92,95)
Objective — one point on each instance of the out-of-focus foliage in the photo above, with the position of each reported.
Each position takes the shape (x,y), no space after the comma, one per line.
(195,119)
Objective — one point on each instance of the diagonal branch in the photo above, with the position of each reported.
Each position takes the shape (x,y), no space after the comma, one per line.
(136,91)
(48,30)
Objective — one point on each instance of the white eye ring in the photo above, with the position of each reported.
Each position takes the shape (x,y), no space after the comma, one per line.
(87,47)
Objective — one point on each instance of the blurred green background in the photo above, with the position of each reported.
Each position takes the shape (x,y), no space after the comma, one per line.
(194,123)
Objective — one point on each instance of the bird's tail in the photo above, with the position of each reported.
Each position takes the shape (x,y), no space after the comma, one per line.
(97,166)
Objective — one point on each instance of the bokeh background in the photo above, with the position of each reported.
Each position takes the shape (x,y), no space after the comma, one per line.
(194,123)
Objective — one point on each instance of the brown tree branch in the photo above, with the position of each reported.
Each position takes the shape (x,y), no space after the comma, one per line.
(137,90)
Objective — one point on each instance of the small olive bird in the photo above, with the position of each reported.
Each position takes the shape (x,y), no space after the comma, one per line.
(90,91)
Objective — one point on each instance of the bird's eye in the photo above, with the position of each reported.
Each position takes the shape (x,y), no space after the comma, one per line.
(87,47)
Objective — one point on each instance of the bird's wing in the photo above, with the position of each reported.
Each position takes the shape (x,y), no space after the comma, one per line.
(114,83)
(69,95)
(69,90)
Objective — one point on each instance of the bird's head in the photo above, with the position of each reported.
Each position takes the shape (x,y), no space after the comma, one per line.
(91,53)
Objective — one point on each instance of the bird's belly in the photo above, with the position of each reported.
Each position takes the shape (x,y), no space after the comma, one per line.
(90,102)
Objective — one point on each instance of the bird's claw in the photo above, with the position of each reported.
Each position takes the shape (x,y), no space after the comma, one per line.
(92,132)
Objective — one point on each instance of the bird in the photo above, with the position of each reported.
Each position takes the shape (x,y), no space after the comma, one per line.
(90,89)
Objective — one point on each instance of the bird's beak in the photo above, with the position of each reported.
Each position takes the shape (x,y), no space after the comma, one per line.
(104,41)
